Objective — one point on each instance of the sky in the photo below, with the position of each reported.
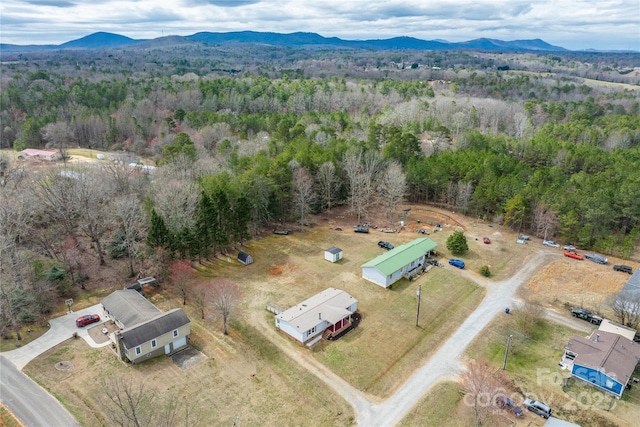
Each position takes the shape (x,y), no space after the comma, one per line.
(572,24)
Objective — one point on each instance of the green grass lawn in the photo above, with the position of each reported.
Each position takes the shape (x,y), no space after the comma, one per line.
(387,346)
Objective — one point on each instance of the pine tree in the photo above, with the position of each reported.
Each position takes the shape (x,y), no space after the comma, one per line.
(158,235)
(457,243)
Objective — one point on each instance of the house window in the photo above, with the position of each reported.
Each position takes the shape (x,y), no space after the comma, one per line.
(138,350)
(154,343)
(311,331)
(175,333)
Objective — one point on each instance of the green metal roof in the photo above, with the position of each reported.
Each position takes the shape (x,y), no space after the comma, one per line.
(398,257)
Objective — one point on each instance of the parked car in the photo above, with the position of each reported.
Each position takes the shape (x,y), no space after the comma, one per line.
(504,402)
(581,313)
(282,232)
(551,243)
(486,240)
(569,247)
(523,237)
(457,263)
(537,407)
(87,320)
(572,254)
(360,230)
(521,241)
(596,258)
(385,245)
(623,268)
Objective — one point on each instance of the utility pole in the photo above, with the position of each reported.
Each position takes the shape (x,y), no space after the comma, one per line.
(506,353)
(418,313)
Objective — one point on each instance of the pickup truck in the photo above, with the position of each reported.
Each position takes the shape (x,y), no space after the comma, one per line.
(581,313)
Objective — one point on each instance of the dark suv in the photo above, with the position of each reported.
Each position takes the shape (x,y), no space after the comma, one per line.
(385,245)
(623,268)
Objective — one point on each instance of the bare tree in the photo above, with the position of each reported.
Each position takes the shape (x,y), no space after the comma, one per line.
(59,135)
(465,191)
(129,218)
(224,298)
(15,220)
(626,308)
(200,294)
(482,384)
(182,275)
(351,166)
(544,220)
(363,172)
(303,194)
(527,316)
(130,404)
(93,201)
(392,189)
(328,184)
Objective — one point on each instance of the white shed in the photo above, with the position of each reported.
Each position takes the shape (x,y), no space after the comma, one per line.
(333,254)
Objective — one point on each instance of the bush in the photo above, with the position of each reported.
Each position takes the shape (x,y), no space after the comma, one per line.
(484,270)
(457,243)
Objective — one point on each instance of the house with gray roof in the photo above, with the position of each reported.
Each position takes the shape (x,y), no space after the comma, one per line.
(605,360)
(325,314)
(629,296)
(145,331)
(399,262)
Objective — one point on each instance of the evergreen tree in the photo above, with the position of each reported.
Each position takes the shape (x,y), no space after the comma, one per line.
(158,235)
(457,243)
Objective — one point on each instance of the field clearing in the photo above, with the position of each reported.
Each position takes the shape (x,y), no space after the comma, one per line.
(568,283)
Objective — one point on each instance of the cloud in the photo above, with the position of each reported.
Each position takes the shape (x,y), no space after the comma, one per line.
(574,24)
(55,3)
(226,3)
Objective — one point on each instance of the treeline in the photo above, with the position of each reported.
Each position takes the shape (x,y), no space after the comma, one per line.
(235,156)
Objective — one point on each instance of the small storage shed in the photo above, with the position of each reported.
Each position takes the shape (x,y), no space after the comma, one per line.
(245,258)
(333,254)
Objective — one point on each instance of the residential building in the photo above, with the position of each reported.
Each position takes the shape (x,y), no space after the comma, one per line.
(399,262)
(605,360)
(145,331)
(325,314)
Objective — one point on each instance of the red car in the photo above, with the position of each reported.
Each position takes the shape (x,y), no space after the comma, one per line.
(87,320)
(486,240)
(572,254)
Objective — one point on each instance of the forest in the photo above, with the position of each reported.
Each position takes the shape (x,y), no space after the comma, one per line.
(243,139)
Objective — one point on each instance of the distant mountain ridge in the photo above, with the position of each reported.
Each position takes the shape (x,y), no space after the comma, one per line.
(103,40)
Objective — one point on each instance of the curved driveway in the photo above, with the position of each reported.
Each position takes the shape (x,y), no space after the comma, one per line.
(29,402)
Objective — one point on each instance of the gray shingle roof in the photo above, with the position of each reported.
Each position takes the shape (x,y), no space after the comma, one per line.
(330,305)
(333,250)
(153,328)
(129,307)
(631,290)
(611,353)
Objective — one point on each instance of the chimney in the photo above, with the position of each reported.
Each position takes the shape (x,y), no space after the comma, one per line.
(320,316)
(597,337)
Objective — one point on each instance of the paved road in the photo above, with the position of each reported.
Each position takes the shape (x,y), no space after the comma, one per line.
(29,402)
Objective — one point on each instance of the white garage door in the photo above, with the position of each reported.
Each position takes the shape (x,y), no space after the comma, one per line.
(179,343)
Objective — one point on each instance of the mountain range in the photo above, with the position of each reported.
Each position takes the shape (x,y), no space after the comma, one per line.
(103,40)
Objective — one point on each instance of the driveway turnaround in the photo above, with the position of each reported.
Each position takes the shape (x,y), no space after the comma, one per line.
(29,402)
(60,329)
